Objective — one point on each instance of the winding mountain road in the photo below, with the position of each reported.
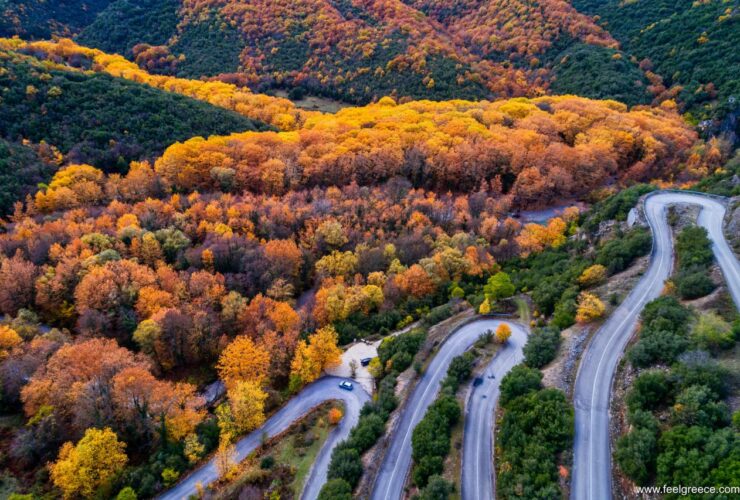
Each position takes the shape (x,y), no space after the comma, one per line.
(592,478)
(389,484)
(478,479)
(324,389)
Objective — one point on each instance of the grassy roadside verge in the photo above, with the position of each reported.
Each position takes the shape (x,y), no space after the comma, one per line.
(281,466)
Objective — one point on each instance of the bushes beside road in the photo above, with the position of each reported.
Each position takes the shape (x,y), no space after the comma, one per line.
(695,257)
(430,441)
(542,346)
(536,428)
(680,425)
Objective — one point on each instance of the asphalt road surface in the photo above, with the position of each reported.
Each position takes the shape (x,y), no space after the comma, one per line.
(477,461)
(389,484)
(324,389)
(592,478)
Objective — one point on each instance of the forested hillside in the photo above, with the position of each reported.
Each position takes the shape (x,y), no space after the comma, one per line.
(469,49)
(93,118)
(165,225)
(359,50)
(692,45)
(44,18)
(22,168)
(127,23)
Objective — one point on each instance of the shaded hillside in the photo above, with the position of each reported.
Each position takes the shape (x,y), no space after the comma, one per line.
(21,169)
(279,112)
(43,18)
(91,118)
(97,119)
(126,23)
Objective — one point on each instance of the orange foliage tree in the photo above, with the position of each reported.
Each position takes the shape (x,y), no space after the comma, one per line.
(242,360)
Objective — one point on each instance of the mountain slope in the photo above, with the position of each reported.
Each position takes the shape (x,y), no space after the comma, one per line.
(83,114)
(21,169)
(42,18)
(278,112)
(126,23)
(690,44)
(359,50)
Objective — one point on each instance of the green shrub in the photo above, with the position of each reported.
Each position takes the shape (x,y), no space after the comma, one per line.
(346,465)
(430,441)
(697,368)
(458,372)
(519,381)
(618,254)
(695,256)
(666,313)
(689,455)
(438,314)
(636,453)
(564,315)
(535,429)
(694,248)
(713,333)
(366,433)
(657,347)
(336,489)
(694,284)
(650,391)
(615,207)
(401,349)
(697,405)
(542,346)
(437,488)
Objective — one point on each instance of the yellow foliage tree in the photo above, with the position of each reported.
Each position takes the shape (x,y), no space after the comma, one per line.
(485,307)
(503,332)
(243,360)
(590,308)
(194,449)
(247,401)
(337,264)
(313,357)
(82,469)
(592,276)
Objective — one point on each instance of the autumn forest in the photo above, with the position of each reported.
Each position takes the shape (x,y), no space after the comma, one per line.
(174,220)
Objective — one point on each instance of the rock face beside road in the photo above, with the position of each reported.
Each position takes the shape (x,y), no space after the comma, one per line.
(592,477)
